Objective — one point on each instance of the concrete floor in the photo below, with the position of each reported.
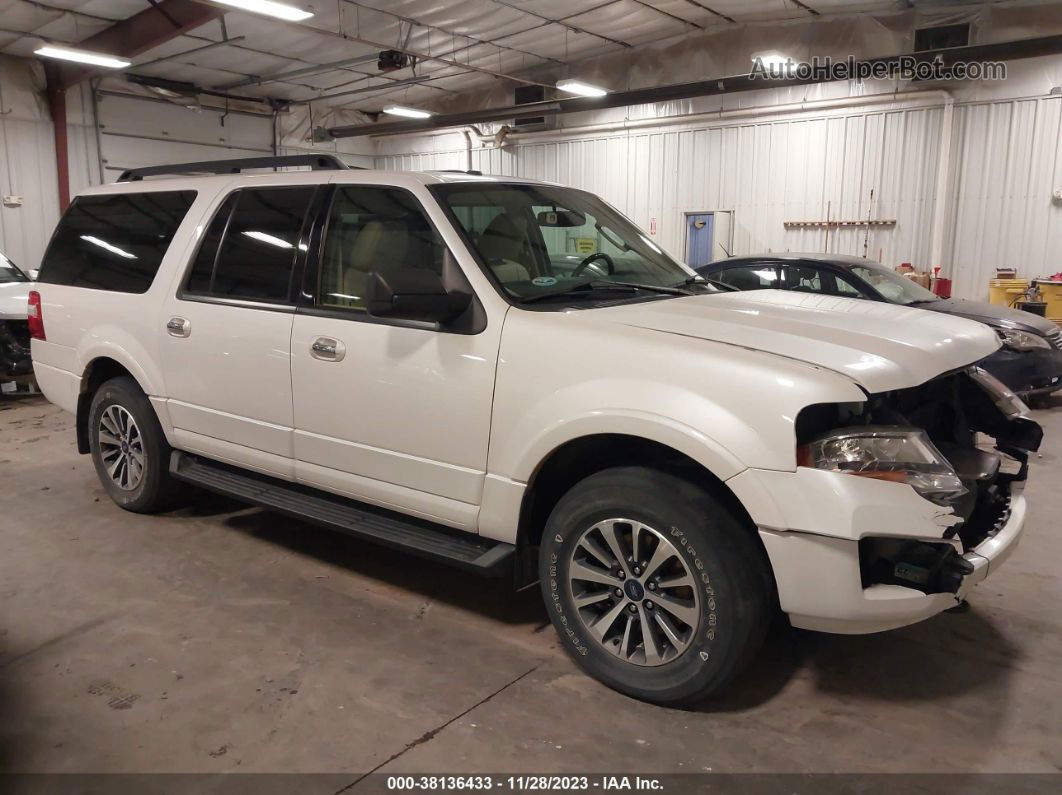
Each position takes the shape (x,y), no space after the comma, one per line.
(222,638)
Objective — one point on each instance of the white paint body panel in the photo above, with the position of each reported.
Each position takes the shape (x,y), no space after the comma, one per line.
(453,427)
(14,300)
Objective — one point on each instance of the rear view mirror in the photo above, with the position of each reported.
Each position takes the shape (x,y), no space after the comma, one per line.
(414,294)
(564,218)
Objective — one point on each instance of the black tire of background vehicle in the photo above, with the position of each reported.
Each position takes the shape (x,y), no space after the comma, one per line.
(737,599)
(157,491)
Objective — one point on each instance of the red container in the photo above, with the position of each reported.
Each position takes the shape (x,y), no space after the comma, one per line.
(942,288)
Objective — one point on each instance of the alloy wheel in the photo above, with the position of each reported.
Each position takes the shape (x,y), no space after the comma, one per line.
(634,592)
(121,447)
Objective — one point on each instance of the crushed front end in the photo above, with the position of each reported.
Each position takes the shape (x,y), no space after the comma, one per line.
(15,361)
(899,505)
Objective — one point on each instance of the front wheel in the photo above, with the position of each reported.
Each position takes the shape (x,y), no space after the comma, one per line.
(129,449)
(655,588)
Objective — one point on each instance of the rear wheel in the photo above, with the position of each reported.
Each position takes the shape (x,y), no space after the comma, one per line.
(129,450)
(654,587)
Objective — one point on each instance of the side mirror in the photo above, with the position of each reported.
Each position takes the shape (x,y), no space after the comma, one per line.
(33,274)
(414,294)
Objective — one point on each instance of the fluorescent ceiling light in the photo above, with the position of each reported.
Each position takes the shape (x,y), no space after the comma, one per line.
(775,62)
(262,237)
(412,113)
(82,56)
(269,8)
(581,88)
(108,247)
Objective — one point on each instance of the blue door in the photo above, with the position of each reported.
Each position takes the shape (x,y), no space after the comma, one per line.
(699,239)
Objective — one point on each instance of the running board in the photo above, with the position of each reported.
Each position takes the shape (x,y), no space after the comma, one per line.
(417,536)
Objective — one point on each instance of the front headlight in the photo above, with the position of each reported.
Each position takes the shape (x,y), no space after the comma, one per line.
(1006,401)
(901,455)
(1021,340)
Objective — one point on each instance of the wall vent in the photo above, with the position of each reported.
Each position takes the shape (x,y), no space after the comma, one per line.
(940,36)
(522,95)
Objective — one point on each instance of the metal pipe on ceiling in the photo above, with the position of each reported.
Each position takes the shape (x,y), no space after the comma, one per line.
(1001,51)
(305,72)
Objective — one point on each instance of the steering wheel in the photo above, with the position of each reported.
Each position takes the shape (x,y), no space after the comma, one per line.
(582,266)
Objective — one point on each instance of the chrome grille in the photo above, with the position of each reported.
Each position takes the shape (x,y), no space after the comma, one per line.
(1055,338)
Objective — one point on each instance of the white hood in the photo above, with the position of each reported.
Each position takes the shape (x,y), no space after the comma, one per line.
(14,300)
(878,345)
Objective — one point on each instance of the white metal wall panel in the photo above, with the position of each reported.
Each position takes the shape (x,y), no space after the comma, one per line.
(139,132)
(28,169)
(27,160)
(1002,210)
(766,172)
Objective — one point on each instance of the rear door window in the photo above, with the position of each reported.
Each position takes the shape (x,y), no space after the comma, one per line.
(251,247)
(114,242)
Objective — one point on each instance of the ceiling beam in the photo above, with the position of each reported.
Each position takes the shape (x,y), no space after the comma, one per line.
(996,51)
(562,23)
(669,15)
(141,32)
(711,10)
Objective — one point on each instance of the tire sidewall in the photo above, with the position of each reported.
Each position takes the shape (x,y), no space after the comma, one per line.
(118,393)
(719,639)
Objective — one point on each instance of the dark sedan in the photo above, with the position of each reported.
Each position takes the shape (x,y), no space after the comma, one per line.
(1030,361)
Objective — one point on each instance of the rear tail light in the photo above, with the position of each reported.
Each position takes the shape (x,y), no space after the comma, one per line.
(36,318)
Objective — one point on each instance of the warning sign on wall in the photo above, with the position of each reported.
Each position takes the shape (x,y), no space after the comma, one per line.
(585,245)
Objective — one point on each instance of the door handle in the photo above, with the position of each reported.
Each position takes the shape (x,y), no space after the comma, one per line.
(328,349)
(178,327)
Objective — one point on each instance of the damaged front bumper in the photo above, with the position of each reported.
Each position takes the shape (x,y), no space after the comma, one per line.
(15,361)
(857,555)
(819,571)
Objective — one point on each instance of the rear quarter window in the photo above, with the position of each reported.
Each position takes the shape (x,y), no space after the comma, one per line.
(114,242)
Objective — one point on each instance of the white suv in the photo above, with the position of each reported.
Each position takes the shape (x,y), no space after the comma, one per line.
(509,376)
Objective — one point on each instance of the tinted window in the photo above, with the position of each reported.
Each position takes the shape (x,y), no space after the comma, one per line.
(373,229)
(203,267)
(749,277)
(259,245)
(114,242)
(809,279)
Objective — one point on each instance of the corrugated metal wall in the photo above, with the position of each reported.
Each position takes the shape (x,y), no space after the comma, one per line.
(29,171)
(1006,160)
(767,172)
(1002,212)
(138,132)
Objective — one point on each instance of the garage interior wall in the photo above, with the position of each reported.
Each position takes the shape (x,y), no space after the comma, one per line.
(1005,164)
(821,155)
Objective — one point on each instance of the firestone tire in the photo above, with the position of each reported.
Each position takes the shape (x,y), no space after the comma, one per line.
(715,582)
(129,449)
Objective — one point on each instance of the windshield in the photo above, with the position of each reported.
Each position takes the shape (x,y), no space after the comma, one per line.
(9,273)
(539,240)
(893,286)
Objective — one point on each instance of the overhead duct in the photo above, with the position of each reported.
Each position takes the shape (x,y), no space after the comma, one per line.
(1002,51)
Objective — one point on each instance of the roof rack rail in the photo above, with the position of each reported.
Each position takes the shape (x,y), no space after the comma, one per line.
(315,162)
(471,171)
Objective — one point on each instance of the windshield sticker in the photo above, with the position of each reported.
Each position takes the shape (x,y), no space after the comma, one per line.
(543,281)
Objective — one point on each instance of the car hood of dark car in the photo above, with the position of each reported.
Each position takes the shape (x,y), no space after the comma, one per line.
(992,314)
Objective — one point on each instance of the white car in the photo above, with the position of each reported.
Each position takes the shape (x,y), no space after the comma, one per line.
(509,376)
(15,364)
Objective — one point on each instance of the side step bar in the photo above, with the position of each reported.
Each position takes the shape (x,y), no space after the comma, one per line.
(417,536)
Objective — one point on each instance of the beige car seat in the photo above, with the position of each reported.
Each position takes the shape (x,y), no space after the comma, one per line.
(504,245)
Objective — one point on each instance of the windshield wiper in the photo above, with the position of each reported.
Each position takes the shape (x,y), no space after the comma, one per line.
(607,286)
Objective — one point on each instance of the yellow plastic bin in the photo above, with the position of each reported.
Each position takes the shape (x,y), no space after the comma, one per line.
(1004,292)
(1052,292)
